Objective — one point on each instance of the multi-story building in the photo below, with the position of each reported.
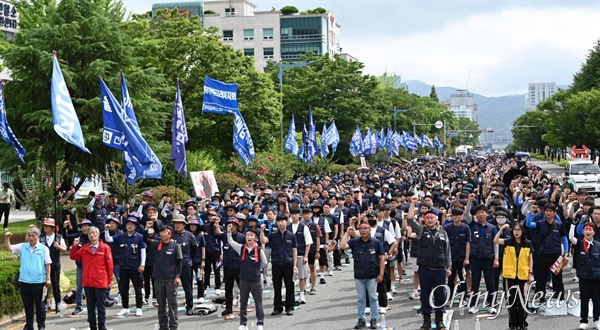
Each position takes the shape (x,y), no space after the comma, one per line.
(539,92)
(462,102)
(266,35)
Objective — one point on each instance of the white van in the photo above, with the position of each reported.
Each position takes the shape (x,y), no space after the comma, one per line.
(584,174)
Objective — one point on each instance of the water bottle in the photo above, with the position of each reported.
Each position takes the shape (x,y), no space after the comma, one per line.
(477,324)
(456,326)
(252,326)
(461,309)
(382,320)
(218,312)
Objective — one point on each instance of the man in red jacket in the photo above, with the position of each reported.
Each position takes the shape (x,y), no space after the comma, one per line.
(96,258)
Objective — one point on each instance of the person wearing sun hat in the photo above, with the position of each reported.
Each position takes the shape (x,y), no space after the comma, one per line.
(189,248)
(231,260)
(130,248)
(56,245)
(98,214)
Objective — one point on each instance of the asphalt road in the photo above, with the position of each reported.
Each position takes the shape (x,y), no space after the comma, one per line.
(334,307)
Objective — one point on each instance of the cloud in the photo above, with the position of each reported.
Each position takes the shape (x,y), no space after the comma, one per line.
(504,51)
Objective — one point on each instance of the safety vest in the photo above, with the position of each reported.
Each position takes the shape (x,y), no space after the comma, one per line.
(250,264)
(514,267)
(482,247)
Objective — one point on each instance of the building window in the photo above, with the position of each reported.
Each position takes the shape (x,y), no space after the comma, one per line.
(268,52)
(248,51)
(248,34)
(229,11)
(227,34)
(267,33)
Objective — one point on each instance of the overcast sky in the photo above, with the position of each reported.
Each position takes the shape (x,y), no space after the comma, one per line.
(505,45)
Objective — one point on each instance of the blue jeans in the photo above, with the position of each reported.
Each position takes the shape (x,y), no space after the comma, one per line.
(79,291)
(364,287)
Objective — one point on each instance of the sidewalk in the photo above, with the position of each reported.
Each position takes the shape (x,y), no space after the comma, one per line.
(20,215)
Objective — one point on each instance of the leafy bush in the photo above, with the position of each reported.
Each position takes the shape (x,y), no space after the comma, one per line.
(10,298)
(209,12)
(7,255)
(228,181)
(289,10)
(352,167)
(336,169)
(116,183)
(177,195)
(268,166)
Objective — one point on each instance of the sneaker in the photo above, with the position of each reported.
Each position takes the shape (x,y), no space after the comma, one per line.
(361,324)
(414,296)
(201,300)
(312,292)
(373,324)
(337,268)
(493,310)
(473,310)
(289,313)
(226,312)
(218,292)
(302,300)
(382,310)
(322,281)
(145,301)
(77,311)
(389,296)
(394,291)
(575,279)
(260,327)
(276,312)
(123,312)
(368,310)
(583,325)
(243,327)
(598,324)
(6,229)
(347,260)
(139,312)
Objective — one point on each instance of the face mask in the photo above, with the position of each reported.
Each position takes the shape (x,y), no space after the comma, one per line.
(372,222)
(501,220)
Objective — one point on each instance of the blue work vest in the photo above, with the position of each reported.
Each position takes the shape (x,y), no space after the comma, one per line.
(482,247)
(128,247)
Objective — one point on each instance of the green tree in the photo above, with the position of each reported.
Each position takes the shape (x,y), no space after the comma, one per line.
(180,48)
(433,94)
(529,128)
(588,76)
(209,12)
(87,36)
(289,10)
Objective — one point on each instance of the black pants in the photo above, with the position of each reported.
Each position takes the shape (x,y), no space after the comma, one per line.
(457,269)
(283,273)
(186,282)
(541,268)
(230,276)
(136,279)
(95,301)
(55,279)
(5,209)
(478,266)
(589,289)
(431,281)
(149,280)
(497,272)
(210,264)
(517,312)
(337,258)
(200,284)
(31,294)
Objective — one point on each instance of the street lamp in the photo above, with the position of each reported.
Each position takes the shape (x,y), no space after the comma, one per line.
(395,112)
(282,67)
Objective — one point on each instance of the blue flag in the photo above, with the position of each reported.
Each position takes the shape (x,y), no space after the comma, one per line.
(374,141)
(332,136)
(356,143)
(305,154)
(291,144)
(64,118)
(426,141)
(324,149)
(219,97)
(242,142)
(6,131)
(312,137)
(366,149)
(411,142)
(388,138)
(180,136)
(437,142)
(381,140)
(153,169)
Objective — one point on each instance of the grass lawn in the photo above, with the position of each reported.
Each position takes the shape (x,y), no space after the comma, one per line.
(21,226)
(72,276)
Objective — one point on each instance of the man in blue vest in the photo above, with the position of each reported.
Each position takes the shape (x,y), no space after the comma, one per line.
(435,265)
(231,260)
(189,248)
(130,248)
(270,227)
(34,274)
(284,255)
(483,255)
(313,249)
(369,260)
(323,242)
(459,235)
(304,241)
(547,237)
(213,253)
(56,245)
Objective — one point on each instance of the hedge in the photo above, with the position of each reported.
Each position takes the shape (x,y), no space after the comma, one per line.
(10,297)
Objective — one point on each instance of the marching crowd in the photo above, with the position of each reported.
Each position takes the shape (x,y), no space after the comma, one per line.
(443,221)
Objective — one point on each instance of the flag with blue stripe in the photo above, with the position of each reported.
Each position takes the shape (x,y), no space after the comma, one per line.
(324,148)
(7,133)
(179,135)
(291,144)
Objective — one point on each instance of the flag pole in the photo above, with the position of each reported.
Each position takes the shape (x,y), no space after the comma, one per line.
(55,160)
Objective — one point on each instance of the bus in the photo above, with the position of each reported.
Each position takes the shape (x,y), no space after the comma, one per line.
(463,150)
